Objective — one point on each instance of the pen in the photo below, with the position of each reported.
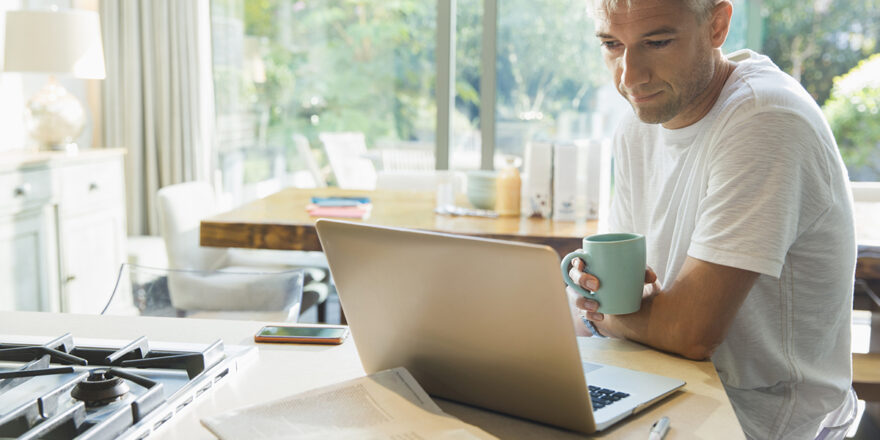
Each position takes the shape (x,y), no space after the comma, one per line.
(659,428)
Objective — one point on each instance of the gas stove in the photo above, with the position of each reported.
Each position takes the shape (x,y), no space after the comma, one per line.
(105,389)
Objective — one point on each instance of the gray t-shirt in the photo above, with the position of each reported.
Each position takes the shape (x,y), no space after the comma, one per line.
(757,184)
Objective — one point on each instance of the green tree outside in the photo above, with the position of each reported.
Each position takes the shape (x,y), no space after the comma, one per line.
(853,111)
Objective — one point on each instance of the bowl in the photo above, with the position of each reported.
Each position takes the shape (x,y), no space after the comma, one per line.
(481,188)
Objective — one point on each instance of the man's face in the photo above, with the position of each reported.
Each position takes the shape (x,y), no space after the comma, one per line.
(661,57)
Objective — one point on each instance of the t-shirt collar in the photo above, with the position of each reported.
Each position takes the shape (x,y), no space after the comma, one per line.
(683,137)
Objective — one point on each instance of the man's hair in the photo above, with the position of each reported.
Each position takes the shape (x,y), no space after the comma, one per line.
(702,8)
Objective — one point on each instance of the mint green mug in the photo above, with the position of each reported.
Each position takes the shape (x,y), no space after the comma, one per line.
(618,261)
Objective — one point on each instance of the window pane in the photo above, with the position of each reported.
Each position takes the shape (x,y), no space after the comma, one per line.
(550,73)
(464,149)
(284,68)
(737,36)
(819,41)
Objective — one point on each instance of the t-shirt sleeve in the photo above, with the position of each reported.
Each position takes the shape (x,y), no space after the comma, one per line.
(768,182)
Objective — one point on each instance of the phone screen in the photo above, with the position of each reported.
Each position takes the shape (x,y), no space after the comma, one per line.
(307,332)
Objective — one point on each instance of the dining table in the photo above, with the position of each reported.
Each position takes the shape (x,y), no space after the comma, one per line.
(282,221)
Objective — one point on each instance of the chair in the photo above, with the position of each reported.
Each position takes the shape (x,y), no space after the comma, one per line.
(419,180)
(181,208)
(147,291)
(304,152)
(346,152)
(412,160)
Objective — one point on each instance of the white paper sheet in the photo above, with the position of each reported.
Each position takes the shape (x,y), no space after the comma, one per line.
(389,404)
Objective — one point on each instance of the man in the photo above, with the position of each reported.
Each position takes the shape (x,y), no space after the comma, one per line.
(732,174)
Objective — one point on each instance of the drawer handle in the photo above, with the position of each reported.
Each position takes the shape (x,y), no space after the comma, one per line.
(22,190)
(93,186)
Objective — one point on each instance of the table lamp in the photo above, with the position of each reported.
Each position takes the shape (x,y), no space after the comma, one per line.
(54,42)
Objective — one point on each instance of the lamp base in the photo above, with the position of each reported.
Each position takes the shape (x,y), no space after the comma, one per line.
(55,118)
(71,147)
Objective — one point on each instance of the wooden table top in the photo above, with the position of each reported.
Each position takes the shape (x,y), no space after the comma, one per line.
(280,221)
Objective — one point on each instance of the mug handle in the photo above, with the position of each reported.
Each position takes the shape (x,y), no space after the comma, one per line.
(566,262)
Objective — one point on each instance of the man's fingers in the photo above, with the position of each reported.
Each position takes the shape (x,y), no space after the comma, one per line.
(586,304)
(650,276)
(593,316)
(578,275)
(583,279)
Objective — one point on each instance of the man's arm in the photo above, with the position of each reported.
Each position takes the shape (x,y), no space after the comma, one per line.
(689,317)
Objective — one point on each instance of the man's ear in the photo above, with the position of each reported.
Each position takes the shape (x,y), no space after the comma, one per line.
(719,22)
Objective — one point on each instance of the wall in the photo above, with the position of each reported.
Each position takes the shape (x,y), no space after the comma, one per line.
(17,88)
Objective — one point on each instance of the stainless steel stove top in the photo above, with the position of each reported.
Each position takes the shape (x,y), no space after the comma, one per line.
(105,389)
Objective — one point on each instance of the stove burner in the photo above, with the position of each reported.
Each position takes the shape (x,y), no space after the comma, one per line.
(100,388)
(103,391)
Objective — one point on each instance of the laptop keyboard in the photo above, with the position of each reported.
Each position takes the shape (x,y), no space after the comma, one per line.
(602,397)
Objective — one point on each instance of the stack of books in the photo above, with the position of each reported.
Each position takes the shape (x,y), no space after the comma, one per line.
(340,207)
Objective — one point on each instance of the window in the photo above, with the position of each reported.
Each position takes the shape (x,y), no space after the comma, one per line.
(549,73)
(284,68)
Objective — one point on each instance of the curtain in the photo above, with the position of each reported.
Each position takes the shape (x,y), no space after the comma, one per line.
(158,97)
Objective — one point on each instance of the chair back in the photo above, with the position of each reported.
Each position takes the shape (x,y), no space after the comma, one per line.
(412,160)
(346,153)
(420,180)
(304,151)
(181,208)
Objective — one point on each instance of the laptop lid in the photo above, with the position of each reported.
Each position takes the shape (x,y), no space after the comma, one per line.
(478,321)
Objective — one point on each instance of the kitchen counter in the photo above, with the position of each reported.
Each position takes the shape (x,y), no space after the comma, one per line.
(700,411)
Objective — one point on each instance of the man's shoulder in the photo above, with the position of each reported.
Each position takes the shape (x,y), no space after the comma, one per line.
(757,85)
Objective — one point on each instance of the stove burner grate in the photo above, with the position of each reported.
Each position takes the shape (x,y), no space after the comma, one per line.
(100,388)
(104,390)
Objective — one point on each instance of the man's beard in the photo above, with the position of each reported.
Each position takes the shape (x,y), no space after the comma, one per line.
(695,84)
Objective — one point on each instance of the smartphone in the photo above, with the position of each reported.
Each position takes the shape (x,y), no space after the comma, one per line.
(302,334)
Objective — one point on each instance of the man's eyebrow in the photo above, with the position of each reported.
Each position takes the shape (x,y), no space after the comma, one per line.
(659,31)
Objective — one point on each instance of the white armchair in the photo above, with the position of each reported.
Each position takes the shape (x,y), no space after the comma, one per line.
(181,209)
(216,294)
(346,153)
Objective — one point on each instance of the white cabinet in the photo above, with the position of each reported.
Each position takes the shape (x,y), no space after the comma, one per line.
(62,231)
(93,248)
(91,217)
(27,261)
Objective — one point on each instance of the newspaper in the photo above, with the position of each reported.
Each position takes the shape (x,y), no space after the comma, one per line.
(389,404)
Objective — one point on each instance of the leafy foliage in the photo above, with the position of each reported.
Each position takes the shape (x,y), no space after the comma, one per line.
(817,40)
(368,66)
(853,111)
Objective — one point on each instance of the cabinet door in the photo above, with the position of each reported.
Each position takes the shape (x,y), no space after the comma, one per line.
(28,262)
(92,248)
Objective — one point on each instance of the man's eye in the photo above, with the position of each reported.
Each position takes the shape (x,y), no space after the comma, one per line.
(659,43)
(610,45)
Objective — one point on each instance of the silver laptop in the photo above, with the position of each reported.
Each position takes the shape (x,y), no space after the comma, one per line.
(477,321)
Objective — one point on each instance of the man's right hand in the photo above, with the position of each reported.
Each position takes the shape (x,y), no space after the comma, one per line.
(587,307)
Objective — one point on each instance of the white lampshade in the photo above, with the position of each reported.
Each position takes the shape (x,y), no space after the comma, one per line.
(57,42)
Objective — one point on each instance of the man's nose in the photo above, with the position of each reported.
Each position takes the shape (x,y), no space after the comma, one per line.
(633,70)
